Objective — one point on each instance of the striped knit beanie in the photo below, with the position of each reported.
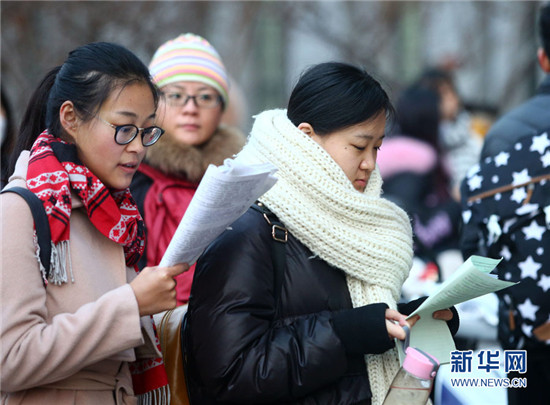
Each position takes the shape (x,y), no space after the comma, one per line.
(189,58)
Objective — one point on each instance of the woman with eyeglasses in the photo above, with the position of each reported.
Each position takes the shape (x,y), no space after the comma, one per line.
(81,331)
(193,84)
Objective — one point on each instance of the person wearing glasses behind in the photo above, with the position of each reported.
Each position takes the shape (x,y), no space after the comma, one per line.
(194,88)
(81,331)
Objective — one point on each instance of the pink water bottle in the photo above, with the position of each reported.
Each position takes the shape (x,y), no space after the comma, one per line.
(414,380)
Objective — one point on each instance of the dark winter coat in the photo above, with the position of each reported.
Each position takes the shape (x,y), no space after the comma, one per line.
(241,351)
(528,118)
(506,211)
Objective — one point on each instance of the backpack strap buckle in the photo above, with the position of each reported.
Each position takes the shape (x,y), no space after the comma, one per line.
(278,231)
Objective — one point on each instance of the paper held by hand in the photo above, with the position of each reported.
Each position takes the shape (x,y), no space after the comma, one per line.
(223,195)
(471,280)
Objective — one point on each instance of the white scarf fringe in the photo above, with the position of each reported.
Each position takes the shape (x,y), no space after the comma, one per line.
(60,258)
(37,255)
(159,396)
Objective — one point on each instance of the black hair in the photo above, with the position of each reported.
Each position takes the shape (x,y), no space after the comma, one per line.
(436,77)
(417,113)
(418,116)
(87,78)
(332,96)
(544,27)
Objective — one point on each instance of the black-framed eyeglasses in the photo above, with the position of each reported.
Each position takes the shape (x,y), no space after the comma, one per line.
(124,134)
(207,99)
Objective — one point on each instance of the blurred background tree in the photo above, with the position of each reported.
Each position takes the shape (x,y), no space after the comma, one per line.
(490,45)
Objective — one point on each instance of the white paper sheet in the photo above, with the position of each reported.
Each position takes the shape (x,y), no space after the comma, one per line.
(224,194)
(472,279)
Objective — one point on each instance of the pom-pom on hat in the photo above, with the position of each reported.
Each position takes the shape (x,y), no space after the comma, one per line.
(189,58)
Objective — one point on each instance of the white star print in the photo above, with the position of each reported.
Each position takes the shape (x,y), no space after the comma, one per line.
(533,231)
(507,224)
(505,253)
(527,209)
(466,216)
(545,159)
(521,177)
(527,329)
(518,195)
(501,159)
(475,182)
(529,268)
(528,309)
(544,282)
(473,170)
(540,143)
(494,229)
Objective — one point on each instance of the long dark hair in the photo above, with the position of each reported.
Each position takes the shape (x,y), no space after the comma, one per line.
(331,96)
(87,78)
(418,114)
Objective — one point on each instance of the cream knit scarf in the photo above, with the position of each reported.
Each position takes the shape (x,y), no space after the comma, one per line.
(364,235)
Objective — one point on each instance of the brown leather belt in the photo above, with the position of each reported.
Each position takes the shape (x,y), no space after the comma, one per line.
(542,332)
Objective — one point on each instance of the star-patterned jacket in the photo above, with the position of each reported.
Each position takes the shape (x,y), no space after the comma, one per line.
(506,213)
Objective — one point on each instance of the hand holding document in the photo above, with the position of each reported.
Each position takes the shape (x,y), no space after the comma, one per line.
(224,194)
(470,280)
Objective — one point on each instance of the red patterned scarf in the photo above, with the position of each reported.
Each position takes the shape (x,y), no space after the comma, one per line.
(54,171)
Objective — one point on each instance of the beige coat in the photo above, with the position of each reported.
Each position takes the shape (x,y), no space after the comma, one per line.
(67,344)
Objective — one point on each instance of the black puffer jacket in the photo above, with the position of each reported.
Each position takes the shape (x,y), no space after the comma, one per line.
(528,118)
(239,351)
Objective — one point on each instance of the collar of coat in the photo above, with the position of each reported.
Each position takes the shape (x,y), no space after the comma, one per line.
(191,161)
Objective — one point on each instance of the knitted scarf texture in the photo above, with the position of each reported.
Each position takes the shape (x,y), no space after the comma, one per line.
(54,172)
(364,235)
